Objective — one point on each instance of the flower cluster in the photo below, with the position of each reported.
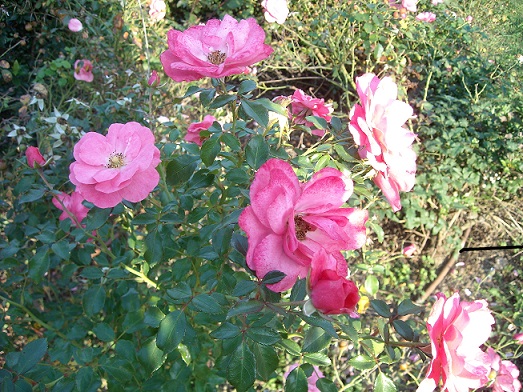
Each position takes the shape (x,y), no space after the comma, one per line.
(301,229)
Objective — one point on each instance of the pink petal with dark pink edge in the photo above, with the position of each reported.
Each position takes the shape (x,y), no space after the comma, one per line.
(365,86)
(255,230)
(390,190)
(269,256)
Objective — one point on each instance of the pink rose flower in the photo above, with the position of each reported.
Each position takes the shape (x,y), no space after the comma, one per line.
(73,203)
(469,18)
(217,49)
(75,25)
(410,5)
(83,70)
(288,221)
(33,156)
(409,250)
(426,17)
(377,128)
(457,330)
(157,10)
(154,79)
(436,2)
(311,381)
(275,10)
(505,372)
(519,338)
(303,105)
(193,132)
(118,166)
(330,291)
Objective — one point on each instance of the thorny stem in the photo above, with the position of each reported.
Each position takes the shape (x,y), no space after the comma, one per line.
(141,275)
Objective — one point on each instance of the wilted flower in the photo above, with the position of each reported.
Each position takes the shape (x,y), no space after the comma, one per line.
(193,132)
(409,250)
(154,79)
(275,10)
(121,165)
(377,126)
(504,373)
(83,70)
(157,10)
(73,203)
(33,156)
(303,105)
(75,25)
(218,48)
(311,381)
(426,17)
(457,330)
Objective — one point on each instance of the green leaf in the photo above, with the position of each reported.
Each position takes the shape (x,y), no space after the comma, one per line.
(226,331)
(153,243)
(205,303)
(86,380)
(316,339)
(97,217)
(381,307)
(318,359)
(210,149)
(62,249)
(181,168)
(119,369)
(372,285)
(31,354)
(222,100)
(296,381)
(104,332)
(171,332)
(322,323)
(272,106)
(151,357)
(182,291)
(91,273)
(241,372)
(221,239)
(267,360)
(153,317)
(32,195)
(362,362)
(39,264)
(384,384)
(244,287)
(403,329)
(256,111)
(248,307)
(291,347)
(264,335)
(206,96)
(246,86)
(192,90)
(336,124)
(318,122)
(231,141)
(407,307)
(257,151)
(272,277)
(94,300)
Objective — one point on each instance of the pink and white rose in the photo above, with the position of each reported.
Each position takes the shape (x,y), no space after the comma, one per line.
(409,250)
(83,70)
(288,221)
(157,10)
(121,165)
(505,374)
(194,131)
(73,203)
(275,10)
(409,5)
(428,17)
(217,49)
(303,105)
(377,126)
(457,330)
(75,25)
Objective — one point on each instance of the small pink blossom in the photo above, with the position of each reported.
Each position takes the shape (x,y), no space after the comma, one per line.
(303,105)
(194,130)
(154,79)
(426,17)
(288,221)
(275,10)
(311,381)
(330,290)
(410,5)
(121,165)
(75,25)
(377,126)
(83,70)
(73,203)
(457,330)
(217,49)
(505,374)
(157,10)
(436,2)
(33,156)
(469,18)
(409,250)
(519,338)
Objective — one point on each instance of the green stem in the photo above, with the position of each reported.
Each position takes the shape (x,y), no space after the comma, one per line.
(141,275)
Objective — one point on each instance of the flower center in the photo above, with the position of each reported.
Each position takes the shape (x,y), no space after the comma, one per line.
(302,228)
(216,57)
(116,160)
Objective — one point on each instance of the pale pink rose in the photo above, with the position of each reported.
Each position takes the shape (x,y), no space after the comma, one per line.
(377,126)
(436,2)
(154,79)
(288,221)
(519,338)
(73,203)
(504,373)
(303,105)
(217,49)
(457,330)
(469,18)
(157,10)
(121,165)
(311,381)
(410,5)
(193,132)
(409,250)
(75,25)
(275,10)
(83,70)
(329,289)
(33,156)
(426,17)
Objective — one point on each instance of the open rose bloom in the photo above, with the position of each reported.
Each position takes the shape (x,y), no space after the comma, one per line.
(121,165)
(504,373)
(426,17)
(303,105)
(288,221)
(83,70)
(73,203)
(217,49)
(377,126)
(457,330)
(157,10)
(275,10)
(193,132)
